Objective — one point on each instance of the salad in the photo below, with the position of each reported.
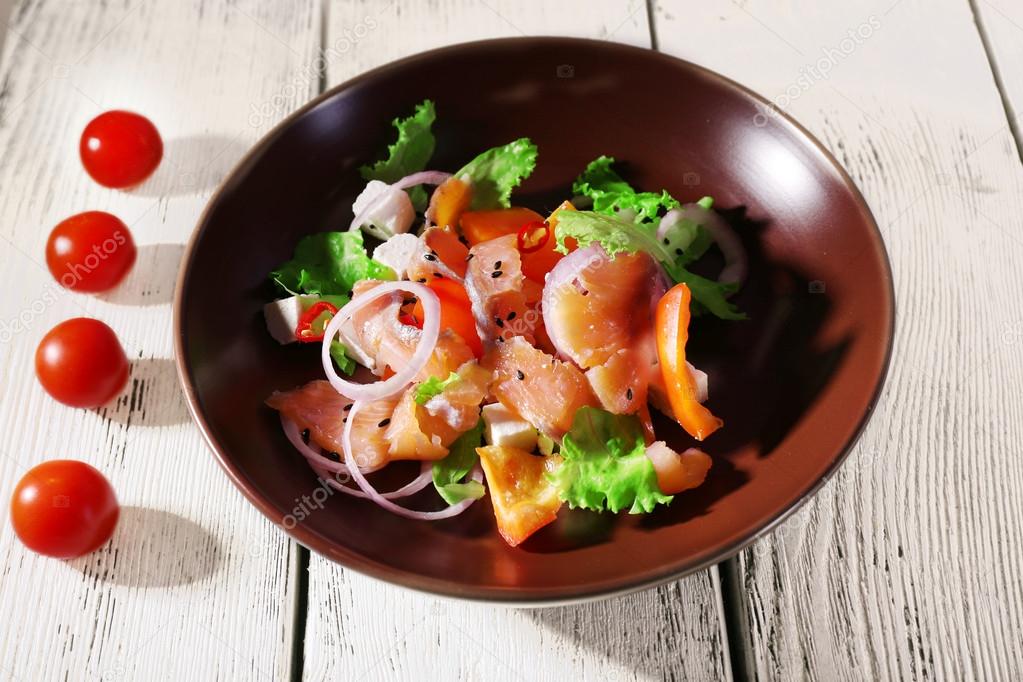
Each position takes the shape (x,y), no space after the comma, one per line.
(513,353)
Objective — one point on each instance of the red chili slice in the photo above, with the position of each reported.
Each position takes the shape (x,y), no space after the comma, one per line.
(528,232)
(313,322)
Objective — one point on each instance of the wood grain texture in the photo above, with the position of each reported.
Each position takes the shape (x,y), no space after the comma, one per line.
(906,565)
(196,583)
(358,628)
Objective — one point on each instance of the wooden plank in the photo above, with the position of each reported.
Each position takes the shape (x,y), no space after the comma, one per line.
(907,564)
(358,628)
(196,583)
(1001,25)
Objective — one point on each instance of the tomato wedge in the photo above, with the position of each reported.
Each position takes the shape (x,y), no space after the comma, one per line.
(671,321)
(537,252)
(448,202)
(482,226)
(524,499)
(455,312)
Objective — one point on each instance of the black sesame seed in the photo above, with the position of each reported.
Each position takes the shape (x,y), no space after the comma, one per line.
(384,422)
(469,257)
(496,273)
(347,407)
(500,339)
(497,265)
(498,321)
(628,394)
(430,257)
(511,316)
(520,374)
(305,436)
(421,280)
(438,275)
(333,456)
(678,252)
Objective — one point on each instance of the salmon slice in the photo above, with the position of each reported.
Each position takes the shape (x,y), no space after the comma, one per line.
(593,305)
(542,390)
(523,498)
(494,283)
(439,254)
(369,446)
(378,332)
(405,435)
(315,407)
(323,411)
(620,384)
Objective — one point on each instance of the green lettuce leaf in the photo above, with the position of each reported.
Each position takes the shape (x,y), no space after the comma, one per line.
(339,354)
(618,236)
(496,172)
(461,458)
(605,465)
(610,193)
(329,263)
(434,387)
(410,152)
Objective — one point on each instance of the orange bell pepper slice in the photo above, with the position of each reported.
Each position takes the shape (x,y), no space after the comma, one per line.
(671,321)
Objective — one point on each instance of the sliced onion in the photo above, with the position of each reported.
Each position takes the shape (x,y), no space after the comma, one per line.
(720,231)
(420,178)
(328,469)
(427,342)
(380,499)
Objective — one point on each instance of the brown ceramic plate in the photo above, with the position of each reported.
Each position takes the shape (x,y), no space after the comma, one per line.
(794,384)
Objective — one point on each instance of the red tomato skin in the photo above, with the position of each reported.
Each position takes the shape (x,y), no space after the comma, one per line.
(120,149)
(64,509)
(81,363)
(90,252)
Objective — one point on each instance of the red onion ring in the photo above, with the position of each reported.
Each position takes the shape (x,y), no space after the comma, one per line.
(380,499)
(720,231)
(420,178)
(328,469)
(424,349)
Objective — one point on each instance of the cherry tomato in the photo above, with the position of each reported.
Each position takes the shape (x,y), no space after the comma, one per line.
(120,148)
(455,312)
(91,251)
(81,363)
(64,508)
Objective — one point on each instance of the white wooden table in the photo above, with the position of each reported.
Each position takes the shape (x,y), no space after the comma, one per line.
(906,565)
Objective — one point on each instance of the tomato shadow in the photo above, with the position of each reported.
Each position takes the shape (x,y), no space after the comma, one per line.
(152,396)
(151,280)
(194,164)
(153,548)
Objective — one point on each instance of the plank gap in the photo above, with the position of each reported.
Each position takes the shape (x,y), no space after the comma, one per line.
(989,53)
(733,610)
(650,24)
(301,611)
